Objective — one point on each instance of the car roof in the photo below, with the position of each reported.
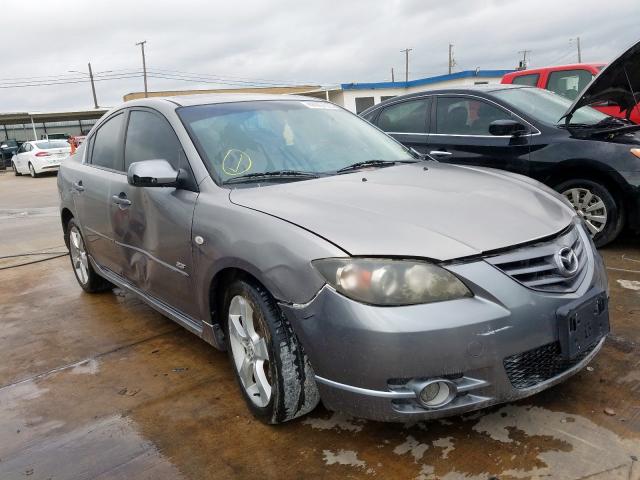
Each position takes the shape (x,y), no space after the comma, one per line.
(556,68)
(470,89)
(213,98)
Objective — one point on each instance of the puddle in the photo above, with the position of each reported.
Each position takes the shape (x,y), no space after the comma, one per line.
(343,457)
(629,284)
(337,421)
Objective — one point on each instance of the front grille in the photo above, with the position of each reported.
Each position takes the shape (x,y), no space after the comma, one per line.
(536,266)
(532,367)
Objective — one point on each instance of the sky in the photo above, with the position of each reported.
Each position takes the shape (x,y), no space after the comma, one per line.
(213,44)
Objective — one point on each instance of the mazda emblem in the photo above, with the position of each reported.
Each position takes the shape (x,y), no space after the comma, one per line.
(566,261)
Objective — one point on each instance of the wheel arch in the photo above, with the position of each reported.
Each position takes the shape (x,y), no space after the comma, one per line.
(65,216)
(589,170)
(223,277)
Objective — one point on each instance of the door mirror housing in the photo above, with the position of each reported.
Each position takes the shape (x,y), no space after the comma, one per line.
(152,173)
(505,128)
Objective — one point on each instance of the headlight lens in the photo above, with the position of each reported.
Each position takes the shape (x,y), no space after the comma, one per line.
(390,282)
(635,151)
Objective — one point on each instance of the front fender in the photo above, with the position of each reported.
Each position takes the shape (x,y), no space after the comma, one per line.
(277,253)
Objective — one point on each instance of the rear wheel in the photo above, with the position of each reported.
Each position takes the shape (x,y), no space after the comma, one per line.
(602,214)
(32,171)
(273,371)
(15,169)
(86,276)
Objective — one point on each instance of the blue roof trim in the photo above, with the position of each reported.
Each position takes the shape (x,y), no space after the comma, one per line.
(425,81)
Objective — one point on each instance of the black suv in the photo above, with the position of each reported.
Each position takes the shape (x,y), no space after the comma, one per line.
(591,158)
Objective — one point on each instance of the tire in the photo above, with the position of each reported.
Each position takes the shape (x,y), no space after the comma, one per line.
(86,276)
(15,170)
(593,201)
(32,171)
(287,371)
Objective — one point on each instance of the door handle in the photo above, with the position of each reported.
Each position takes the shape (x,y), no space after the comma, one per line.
(122,201)
(77,186)
(440,153)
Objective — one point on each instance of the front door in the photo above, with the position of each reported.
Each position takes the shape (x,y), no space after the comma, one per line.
(152,225)
(460,134)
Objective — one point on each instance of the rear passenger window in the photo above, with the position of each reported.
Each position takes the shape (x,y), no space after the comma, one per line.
(530,80)
(150,137)
(405,117)
(106,144)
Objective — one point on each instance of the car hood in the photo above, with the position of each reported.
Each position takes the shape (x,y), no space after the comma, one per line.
(441,212)
(618,82)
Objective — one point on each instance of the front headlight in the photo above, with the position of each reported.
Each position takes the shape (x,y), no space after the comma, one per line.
(390,282)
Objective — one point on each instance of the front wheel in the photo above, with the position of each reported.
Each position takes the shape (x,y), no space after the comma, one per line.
(15,169)
(600,211)
(274,373)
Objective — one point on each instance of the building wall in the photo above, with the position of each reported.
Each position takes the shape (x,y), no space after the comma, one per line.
(349,96)
(271,90)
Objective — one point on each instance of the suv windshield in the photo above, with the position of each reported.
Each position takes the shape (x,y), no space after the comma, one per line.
(314,137)
(547,106)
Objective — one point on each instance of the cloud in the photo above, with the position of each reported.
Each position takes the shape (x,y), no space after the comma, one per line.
(325,42)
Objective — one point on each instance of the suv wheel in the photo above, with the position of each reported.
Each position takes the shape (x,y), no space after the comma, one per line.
(15,170)
(274,373)
(598,208)
(86,276)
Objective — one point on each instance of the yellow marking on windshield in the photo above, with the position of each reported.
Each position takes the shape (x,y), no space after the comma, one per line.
(236,162)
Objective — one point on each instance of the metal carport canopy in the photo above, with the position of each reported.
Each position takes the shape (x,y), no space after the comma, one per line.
(13,118)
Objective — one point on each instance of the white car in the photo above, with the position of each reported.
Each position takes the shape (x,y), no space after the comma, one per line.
(40,156)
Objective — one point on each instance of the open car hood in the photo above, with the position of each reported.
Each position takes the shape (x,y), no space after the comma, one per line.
(618,83)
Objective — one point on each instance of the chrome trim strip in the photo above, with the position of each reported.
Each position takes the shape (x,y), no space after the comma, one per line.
(366,391)
(144,252)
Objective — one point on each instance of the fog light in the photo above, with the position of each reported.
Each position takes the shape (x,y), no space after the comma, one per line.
(436,393)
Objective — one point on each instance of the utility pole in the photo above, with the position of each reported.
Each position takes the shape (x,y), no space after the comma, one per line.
(523,63)
(579,52)
(406,63)
(452,61)
(393,77)
(93,87)
(144,67)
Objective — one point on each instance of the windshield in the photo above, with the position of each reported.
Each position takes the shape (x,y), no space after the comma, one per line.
(548,107)
(284,135)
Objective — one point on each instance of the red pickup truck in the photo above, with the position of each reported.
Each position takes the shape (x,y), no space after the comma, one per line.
(568,81)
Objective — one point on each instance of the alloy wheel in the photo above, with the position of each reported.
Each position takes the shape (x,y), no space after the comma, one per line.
(32,171)
(590,207)
(78,255)
(249,350)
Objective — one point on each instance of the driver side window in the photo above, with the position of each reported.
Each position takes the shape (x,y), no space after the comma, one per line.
(466,116)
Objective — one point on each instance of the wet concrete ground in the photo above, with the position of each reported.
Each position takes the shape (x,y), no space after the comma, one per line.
(101,386)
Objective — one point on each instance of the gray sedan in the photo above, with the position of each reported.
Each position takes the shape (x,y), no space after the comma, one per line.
(330,261)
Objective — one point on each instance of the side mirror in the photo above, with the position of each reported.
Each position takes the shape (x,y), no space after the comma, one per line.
(152,173)
(505,128)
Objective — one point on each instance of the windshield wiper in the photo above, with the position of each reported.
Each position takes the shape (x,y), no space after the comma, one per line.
(372,163)
(276,174)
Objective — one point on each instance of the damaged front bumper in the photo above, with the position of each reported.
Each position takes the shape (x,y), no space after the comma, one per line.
(500,345)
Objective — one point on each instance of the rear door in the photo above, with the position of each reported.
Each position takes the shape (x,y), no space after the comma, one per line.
(153,231)
(460,134)
(407,122)
(91,187)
